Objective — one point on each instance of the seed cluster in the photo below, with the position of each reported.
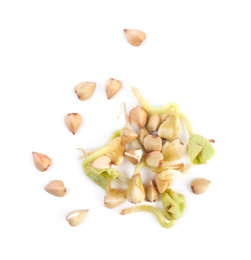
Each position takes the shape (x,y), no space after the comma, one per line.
(155,146)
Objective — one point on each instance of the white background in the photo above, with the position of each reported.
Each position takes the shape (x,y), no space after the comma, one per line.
(197,53)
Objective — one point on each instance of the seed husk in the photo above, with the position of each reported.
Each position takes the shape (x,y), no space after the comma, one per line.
(169,129)
(134,155)
(117,151)
(163,181)
(173,150)
(154,159)
(76,217)
(56,188)
(112,87)
(142,133)
(41,161)
(152,143)
(199,185)
(127,135)
(73,122)
(152,194)
(138,116)
(114,198)
(135,192)
(84,90)
(153,122)
(134,37)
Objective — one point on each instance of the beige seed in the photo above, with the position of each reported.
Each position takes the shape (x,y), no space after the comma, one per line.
(114,198)
(56,188)
(153,123)
(134,155)
(154,159)
(173,150)
(163,181)
(127,135)
(73,122)
(152,194)
(134,37)
(76,217)
(112,87)
(199,185)
(84,90)
(135,192)
(41,161)
(152,143)
(142,133)
(138,116)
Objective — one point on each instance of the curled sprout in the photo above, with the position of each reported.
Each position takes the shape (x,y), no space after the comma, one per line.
(153,109)
(139,166)
(156,212)
(187,123)
(114,135)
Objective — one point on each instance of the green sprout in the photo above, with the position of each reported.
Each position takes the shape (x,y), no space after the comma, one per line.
(200,150)
(174,204)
